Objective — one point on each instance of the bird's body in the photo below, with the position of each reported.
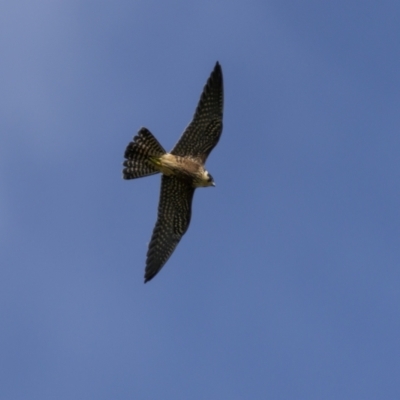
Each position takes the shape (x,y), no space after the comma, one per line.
(182,170)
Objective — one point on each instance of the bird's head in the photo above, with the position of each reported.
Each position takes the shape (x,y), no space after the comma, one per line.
(205,180)
(210,180)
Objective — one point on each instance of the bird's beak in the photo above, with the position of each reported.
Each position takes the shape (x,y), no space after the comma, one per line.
(213,184)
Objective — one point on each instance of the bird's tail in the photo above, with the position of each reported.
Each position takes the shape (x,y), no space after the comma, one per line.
(139,155)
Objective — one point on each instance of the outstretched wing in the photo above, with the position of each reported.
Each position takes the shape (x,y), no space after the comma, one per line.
(203,133)
(174,212)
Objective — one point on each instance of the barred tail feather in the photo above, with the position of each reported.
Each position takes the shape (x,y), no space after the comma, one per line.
(138,155)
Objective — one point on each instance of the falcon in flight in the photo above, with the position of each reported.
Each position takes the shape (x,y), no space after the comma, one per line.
(182,170)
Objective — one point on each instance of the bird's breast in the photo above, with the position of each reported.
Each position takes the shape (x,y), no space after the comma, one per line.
(182,167)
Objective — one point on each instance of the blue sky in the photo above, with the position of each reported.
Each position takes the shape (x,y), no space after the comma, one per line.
(286,285)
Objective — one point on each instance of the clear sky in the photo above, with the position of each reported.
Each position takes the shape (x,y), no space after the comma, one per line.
(287,283)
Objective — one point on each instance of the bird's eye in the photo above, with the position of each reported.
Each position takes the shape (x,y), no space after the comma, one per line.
(210,178)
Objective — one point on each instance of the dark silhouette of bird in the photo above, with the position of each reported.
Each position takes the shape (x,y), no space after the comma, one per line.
(182,170)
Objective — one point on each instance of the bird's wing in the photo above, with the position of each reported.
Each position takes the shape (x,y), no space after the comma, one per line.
(203,133)
(174,212)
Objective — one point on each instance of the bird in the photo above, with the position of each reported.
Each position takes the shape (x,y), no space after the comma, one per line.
(183,170)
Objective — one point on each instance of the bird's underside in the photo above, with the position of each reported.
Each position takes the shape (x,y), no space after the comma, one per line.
(182,170)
